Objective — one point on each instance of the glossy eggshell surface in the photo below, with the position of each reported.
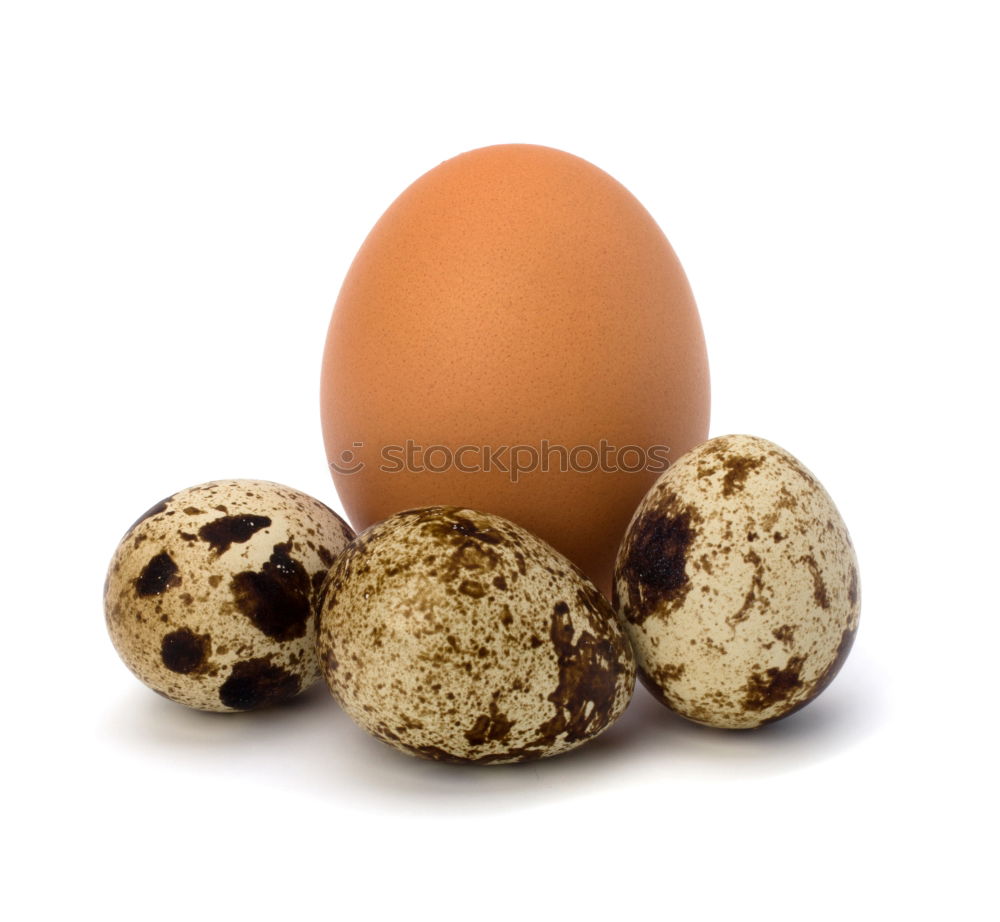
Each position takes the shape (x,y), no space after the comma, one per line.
(455,635)
(514,295)
(210,597)
(738,585)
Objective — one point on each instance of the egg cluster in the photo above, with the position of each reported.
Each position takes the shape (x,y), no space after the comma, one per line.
(457,635)
(477,618)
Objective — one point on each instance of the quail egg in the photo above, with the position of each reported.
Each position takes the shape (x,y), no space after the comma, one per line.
(738,584)
(457,635)
(210,596)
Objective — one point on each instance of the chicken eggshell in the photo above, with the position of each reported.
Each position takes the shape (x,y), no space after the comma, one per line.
(514,298)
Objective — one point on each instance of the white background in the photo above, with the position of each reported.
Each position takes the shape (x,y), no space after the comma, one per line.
(183,186)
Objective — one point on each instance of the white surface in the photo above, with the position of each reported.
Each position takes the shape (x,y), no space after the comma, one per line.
(182,188)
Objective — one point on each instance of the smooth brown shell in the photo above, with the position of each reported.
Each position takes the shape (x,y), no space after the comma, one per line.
(514,296)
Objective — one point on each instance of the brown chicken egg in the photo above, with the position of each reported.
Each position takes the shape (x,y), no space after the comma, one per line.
(515,335)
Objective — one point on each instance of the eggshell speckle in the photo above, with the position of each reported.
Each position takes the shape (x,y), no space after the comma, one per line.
(456,635)
(738,585)
(210,597)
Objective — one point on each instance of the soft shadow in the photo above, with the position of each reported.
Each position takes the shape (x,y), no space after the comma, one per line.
(838,720)
(146,720)
(649,745)
(310,745)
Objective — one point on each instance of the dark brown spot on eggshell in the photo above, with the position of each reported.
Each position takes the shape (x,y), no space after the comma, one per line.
(825,678)
(257,683)
(655,564)
(672,672)
(785,633)
(159,575)
(820,595)
(222,533)
(161,506)
(427,751)
(275,598)
(738,468)
(754,597)
(489,727)
(655,685)
(588,669)
(466,527)
(472,588)
(184,651)
(771,687)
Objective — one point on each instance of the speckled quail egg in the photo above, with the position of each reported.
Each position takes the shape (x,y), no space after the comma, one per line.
(211,595)
(457,635)
(738,585)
